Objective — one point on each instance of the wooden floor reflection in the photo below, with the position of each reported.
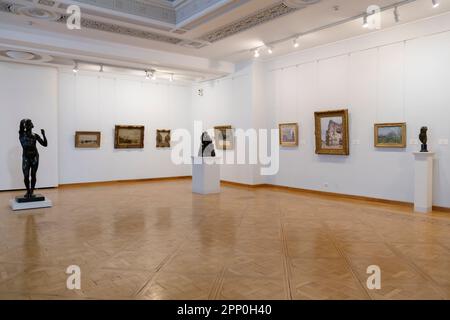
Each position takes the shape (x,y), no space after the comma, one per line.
(156,240)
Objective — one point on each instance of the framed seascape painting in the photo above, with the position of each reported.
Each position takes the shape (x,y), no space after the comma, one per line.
(224,137)
(129,137)
(87,139)
(332,132)
(163,138)
(288,134)
(390,135)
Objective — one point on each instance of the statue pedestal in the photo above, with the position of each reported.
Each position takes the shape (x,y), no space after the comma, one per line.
(423,181)
(205,175)
(36,202)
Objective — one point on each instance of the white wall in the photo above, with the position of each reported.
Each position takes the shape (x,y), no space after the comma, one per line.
(227,102)
(89,102)
(405,81)
(27,92)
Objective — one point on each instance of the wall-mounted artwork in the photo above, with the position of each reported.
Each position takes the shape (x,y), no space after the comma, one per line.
(332,132)
(87,139)
(129,137)
(288,134)
(163,138)
(390,135)
(224,137)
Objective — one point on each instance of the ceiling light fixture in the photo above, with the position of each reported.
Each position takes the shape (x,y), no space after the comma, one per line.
(171,77)
(75,68)
(101,68)
(296,44)
(435,3)
(365,23)
(147,75)
(396,15)
(153,75)
(256,53)
(270,50)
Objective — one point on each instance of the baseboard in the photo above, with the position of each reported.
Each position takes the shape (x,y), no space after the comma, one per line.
(103,183)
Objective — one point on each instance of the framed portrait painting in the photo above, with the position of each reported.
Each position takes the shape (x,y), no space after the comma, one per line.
(163,138)
(129,137)
(288,134)
(224,137)
(332,134)
(390,135)
(87,139)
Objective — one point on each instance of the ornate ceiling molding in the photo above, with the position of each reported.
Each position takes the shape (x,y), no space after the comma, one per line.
(260,17)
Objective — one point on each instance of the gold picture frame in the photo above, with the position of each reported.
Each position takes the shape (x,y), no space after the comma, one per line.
(129,137)
(87,139)
(163,138)
(390,135)
(288,134)
(332,132)
(224,137)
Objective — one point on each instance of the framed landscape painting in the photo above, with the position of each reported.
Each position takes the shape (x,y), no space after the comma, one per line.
(163,138)
(288,134)
(129,137)
(224,137)
(87,139)
(332,132)
(390,135)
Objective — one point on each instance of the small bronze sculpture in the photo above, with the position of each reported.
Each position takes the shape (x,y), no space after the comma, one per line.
(424,139)
(207,147)
(30,158)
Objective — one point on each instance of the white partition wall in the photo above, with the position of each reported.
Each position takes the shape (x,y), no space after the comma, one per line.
(27,92)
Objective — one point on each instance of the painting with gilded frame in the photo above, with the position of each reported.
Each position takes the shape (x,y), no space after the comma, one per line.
(332,134)
(390,135)
(129,137)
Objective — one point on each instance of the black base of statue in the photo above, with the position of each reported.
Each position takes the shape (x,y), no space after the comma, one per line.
(424,148)
(34,198)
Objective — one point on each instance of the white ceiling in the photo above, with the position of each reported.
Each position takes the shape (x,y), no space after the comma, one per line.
(234,48)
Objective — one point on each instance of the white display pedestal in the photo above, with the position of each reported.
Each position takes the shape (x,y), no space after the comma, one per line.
(16,206)
(205,175)
(423,182)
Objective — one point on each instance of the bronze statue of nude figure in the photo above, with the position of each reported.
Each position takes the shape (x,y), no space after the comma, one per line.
(30,155)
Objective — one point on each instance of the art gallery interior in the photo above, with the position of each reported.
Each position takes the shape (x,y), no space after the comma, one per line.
(336,93)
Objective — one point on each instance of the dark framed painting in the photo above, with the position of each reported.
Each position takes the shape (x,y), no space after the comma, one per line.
(129,137)
(224,136)
(87,139)
(390,135)
(163,138)
(288,134)
(332,134)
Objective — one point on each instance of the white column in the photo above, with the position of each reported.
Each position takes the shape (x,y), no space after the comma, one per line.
(205,175)
(423,181)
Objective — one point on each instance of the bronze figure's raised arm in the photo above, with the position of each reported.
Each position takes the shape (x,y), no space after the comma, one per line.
(30,155)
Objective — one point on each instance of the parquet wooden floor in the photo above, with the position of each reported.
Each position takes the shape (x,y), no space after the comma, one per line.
(157,240)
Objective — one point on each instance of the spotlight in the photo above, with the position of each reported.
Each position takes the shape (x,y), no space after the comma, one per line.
(171,77)
(270,50)
(153,75)
(256,53)
(396,15)
(365,23)
(296,44)
(147,75)
(75,68)
(435,3)
(101,68)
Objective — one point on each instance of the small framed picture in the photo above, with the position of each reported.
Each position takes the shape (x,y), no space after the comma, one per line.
(224,137)
(87,139)
(332,132)
(390,135)
(288,134)
(129,137)
(163,138)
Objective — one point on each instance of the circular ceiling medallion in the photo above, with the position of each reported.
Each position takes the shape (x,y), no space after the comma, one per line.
(20,55)
(299,3)
(24,56)
(34,12)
